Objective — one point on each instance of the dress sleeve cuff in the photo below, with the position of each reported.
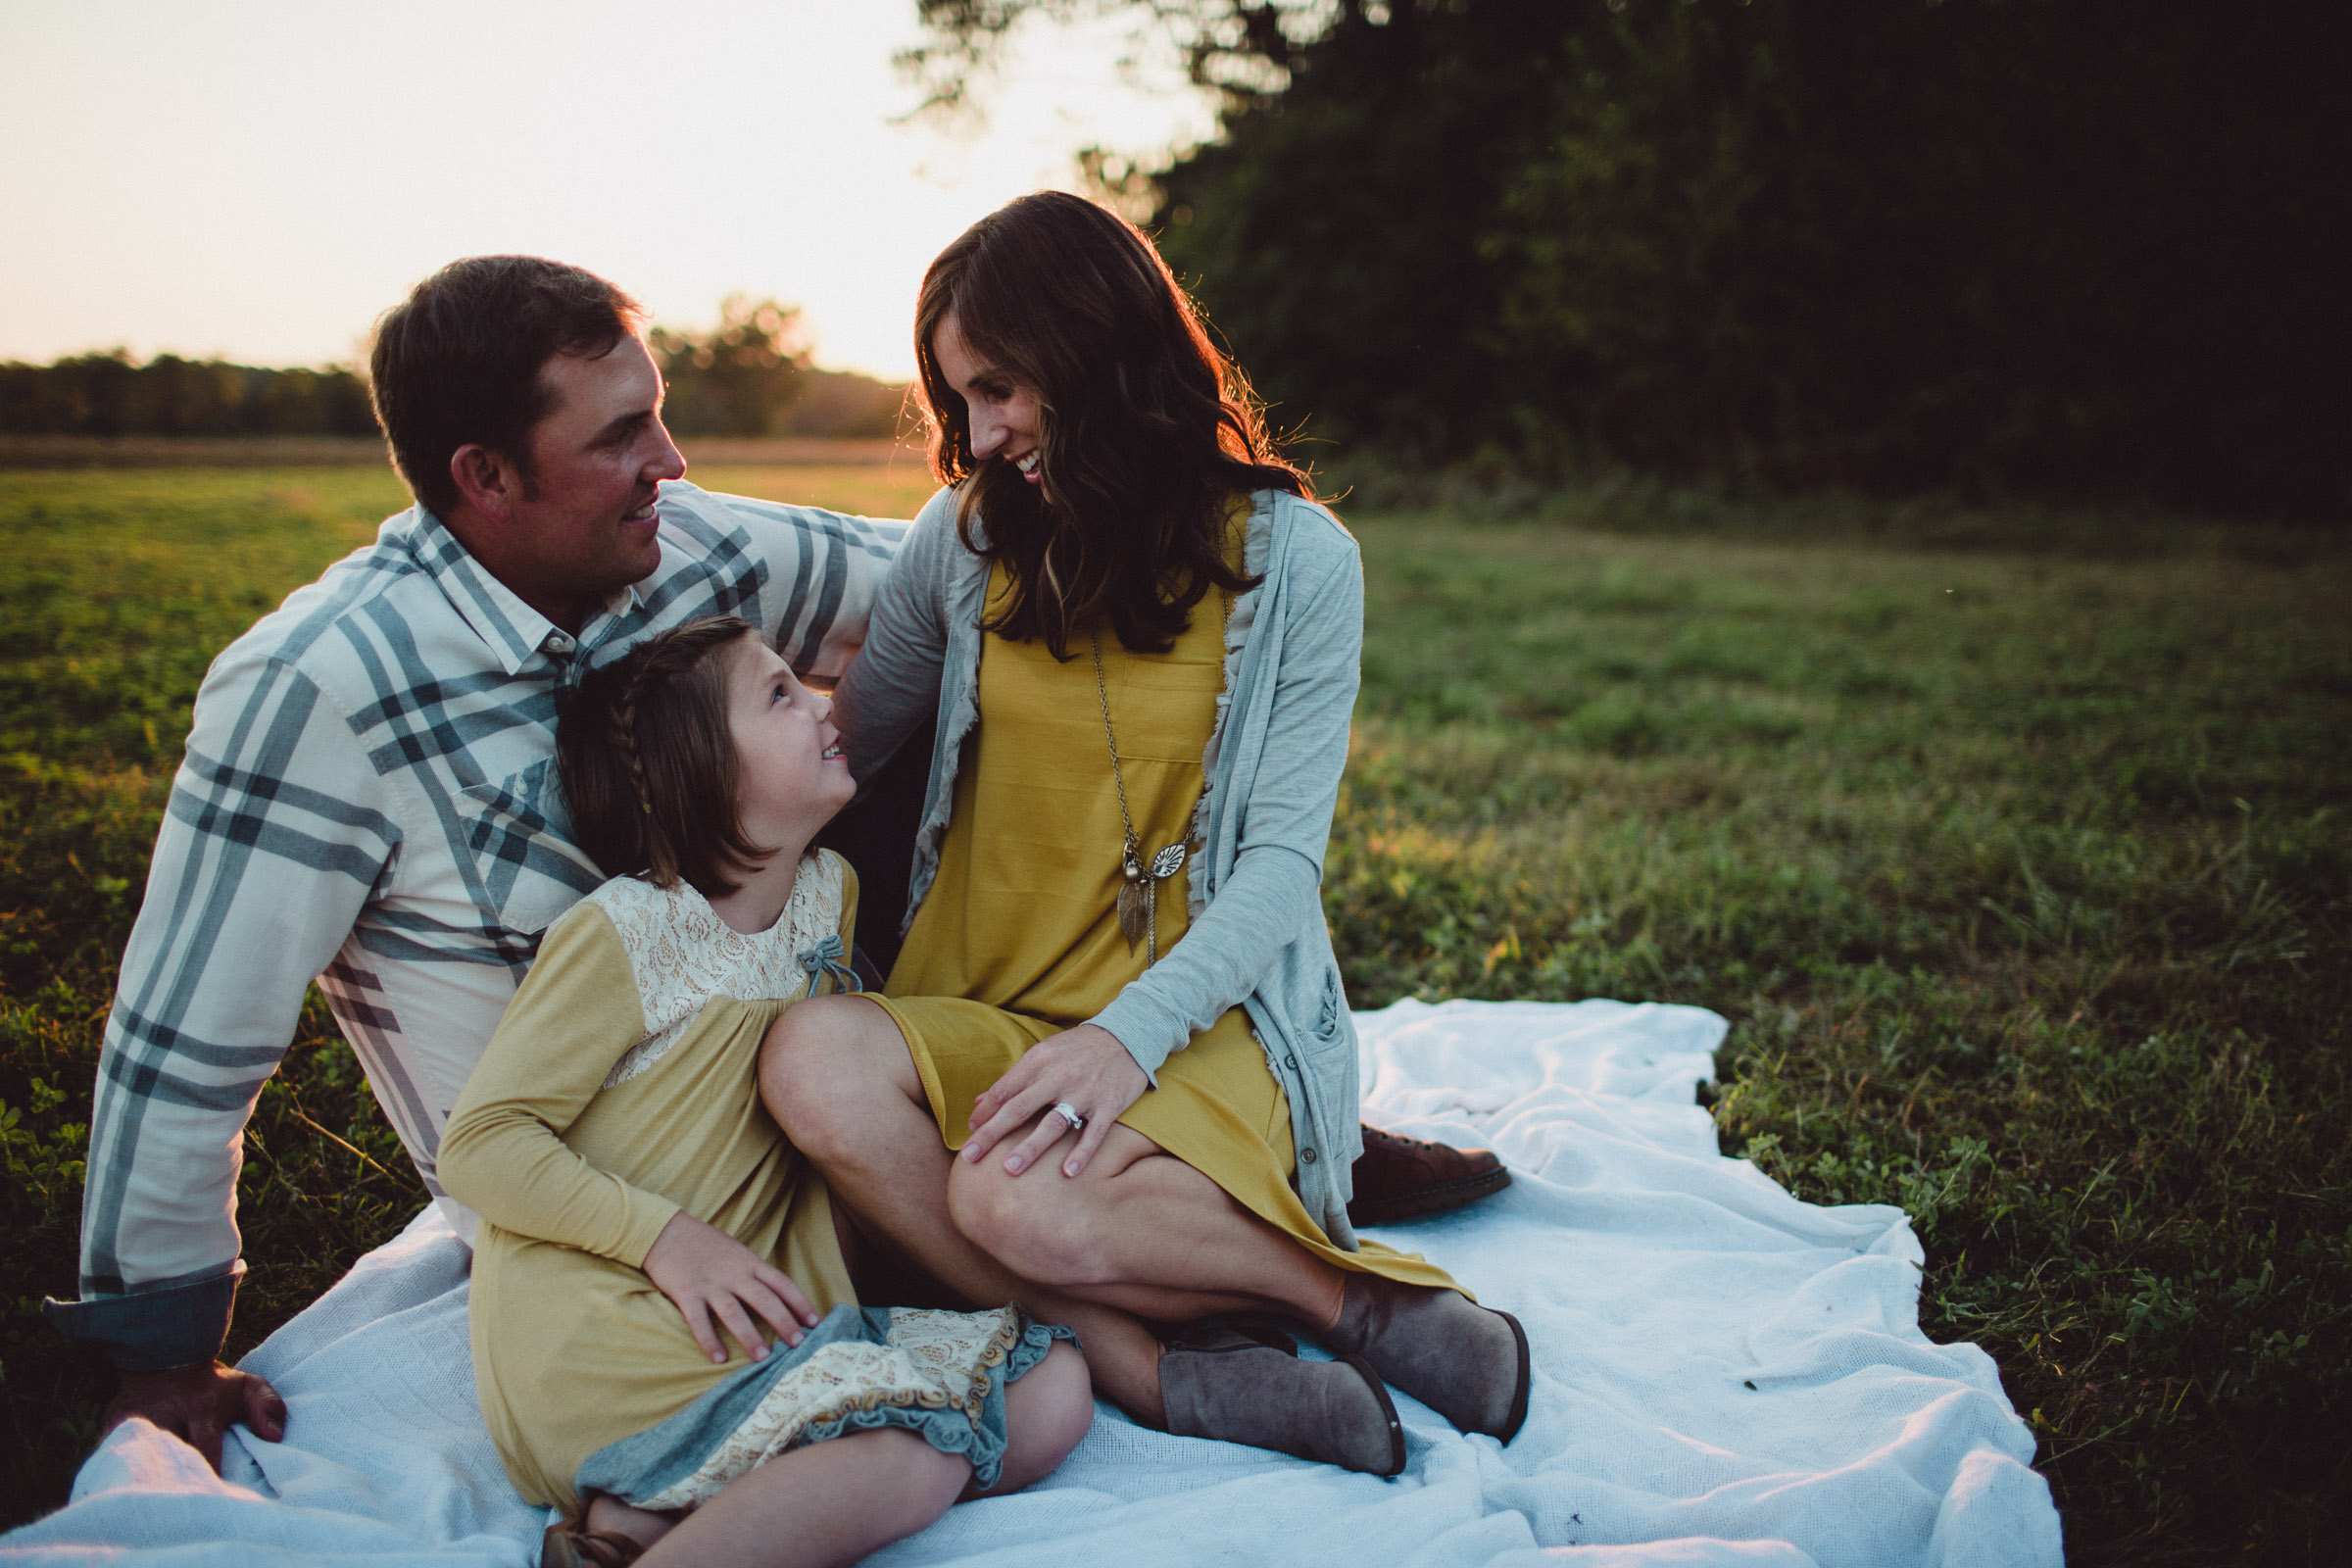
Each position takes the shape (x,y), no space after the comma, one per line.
(649,1215)
(1150,1032)
(147,1331)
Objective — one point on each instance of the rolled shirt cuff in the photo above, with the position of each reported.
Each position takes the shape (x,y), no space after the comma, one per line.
(147,1331)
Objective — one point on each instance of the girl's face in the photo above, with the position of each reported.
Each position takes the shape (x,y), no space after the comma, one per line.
(1002,414)
(791,776)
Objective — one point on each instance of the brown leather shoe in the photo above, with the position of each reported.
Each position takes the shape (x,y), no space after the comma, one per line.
(1402,1178)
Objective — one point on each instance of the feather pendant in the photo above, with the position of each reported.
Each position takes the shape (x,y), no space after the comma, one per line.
(1135,907)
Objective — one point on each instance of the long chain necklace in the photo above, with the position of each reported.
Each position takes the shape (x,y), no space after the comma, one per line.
(1139,877)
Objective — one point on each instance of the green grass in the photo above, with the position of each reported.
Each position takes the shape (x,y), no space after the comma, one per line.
(2015,848)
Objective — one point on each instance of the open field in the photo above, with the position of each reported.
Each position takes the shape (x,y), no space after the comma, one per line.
(17,451)
(2015,848)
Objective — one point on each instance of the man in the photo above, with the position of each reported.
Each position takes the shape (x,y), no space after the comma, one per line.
(368,793)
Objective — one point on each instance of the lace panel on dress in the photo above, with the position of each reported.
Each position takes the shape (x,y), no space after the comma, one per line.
(683,956)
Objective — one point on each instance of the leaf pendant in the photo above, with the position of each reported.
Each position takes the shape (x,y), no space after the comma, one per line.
(1135,909)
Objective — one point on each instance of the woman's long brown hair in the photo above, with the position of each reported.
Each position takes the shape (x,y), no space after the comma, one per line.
(1145,429)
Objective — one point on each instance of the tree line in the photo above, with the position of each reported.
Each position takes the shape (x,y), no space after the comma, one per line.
(750,376)
(2078,249)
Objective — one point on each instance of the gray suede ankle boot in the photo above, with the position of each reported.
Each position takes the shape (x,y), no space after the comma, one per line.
(1466,1362)
(1244,1384)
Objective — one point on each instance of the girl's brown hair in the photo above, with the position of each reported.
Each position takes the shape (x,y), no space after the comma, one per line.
(1145,429)
(648,762)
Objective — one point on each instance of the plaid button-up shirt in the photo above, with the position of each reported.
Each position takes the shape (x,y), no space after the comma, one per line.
(367,799)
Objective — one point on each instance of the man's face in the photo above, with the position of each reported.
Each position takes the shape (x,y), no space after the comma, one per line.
(586,527)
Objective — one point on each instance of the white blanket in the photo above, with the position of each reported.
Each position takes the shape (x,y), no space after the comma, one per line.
(1724,1375)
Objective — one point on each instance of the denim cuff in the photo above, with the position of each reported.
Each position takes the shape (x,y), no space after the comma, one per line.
(147,1331)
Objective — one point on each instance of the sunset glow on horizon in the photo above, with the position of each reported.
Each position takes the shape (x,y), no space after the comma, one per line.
(256,180)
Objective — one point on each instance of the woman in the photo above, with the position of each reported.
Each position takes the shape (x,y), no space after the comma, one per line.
(1112,1074)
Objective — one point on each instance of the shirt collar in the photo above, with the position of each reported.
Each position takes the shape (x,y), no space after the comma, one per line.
(512,630)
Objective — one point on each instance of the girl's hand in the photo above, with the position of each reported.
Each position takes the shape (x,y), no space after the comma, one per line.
(1086,1067)
(711,1275)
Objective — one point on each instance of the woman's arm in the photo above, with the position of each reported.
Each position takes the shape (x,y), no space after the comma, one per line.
(1272,891)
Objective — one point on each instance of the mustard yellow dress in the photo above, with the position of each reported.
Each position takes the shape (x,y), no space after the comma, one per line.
(618,1089)
(1018,938)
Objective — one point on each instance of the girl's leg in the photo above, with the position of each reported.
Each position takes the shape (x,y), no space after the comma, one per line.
(831,1503)
(1046,1412)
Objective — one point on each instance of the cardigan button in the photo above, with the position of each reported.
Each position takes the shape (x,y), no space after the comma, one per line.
(1290,1063)
(1307,1155)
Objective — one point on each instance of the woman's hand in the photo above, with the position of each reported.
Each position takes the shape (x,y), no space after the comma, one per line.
(1086,1067)
(711,1275)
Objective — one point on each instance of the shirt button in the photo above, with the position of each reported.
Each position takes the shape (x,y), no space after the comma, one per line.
(1290,1063)
(558,643)
(1307,1155)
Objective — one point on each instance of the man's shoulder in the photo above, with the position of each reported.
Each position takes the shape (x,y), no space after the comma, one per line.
(312,630)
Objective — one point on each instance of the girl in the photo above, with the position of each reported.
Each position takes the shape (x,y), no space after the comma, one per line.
(1139,638)
(614,1143)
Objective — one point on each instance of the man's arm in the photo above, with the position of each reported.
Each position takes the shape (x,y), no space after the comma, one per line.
(270,843)
(822,568)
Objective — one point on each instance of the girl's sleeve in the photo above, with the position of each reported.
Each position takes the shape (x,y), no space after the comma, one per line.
(502,1154)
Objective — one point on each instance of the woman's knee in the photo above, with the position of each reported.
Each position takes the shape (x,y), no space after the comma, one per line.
(822,1066)
(1040,1225)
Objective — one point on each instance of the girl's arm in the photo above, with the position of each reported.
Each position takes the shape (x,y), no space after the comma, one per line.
(503,1153)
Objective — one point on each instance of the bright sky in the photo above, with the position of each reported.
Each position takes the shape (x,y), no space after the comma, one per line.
(257,179)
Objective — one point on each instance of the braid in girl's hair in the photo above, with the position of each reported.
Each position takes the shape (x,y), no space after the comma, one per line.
(624,733)
(647,761)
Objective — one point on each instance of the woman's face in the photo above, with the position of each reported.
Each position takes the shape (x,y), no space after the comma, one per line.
(791,776)
(1002,414)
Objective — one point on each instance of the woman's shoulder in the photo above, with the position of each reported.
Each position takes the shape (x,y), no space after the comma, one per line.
(1298,525)
(1297,539)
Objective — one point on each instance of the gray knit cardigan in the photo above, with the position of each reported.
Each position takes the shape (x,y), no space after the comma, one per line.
(1273,765)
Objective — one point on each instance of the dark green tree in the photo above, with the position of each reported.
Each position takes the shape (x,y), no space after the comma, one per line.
(2066,248)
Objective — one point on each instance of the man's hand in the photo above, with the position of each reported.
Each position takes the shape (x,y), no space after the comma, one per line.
(710,1275)
(199,1401)
(1087,1067)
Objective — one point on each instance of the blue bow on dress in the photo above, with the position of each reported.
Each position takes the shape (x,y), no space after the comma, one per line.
(825,958)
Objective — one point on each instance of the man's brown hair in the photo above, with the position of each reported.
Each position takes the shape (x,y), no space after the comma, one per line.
(648,762)
(457,361)
(1145,429)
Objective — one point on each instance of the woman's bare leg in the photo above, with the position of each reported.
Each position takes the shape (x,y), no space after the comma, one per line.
(812,1507)
(1140,1232)
(836,1075)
